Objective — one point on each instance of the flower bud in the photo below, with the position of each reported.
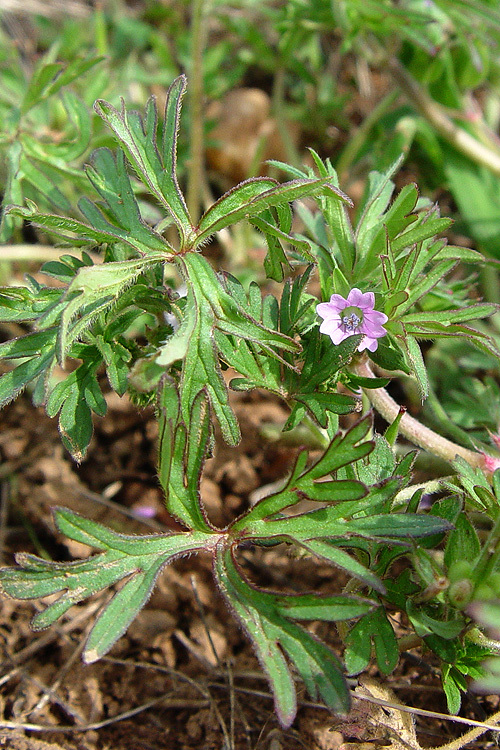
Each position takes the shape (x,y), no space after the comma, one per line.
(460,593)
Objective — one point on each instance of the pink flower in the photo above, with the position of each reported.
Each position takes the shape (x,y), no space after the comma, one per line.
(490,463)
(356,314)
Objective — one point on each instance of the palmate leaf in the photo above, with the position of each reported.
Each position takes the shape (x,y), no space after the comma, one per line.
(341,559)
(116,219)
(107,173)
(266,618)
(277,233)
(37,175)
(35,168)
(75,398)
(252,197)
(79,132)
(209,307)
(246,357)
(471,312)
(259,371)
(138,559)
(155,167)
(378,195)
(396,220)
(194,342)
(328,523)
(230,316)
(346,499)
(80,233)
(182,450)
(37,354)
(93,290)
(374,628)
(343,450)
(294,303)
(315,388)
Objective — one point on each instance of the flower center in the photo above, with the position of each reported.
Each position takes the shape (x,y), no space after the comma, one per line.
(352,317)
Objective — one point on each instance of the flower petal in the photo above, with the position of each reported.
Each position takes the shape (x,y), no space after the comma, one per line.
(365,302)
(338,336)
(339,302)
(323,309)
(332,328)
(368,343)
(375,317)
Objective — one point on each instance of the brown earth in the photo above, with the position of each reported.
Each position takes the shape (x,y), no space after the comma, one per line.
(184,675)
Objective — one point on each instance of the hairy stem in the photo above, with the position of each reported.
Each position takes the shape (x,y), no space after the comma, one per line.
(412,429)
(469,736)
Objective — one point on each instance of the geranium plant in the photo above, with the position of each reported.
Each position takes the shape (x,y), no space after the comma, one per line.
(383,288)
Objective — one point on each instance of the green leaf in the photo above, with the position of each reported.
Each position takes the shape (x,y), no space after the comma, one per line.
(75,145)
(116,358)
(275,235)
(342,451)
(38,352)
(417,234)
(319,404)
(394,525)
(417,365)
(12,191)
(14,381)
(426,283)
(125,556)
(328,522)
(293,304)
(472,312)
(271,658)
(209,307)
(328,608)
(138,139)
(121,214)
(380,465)
(221,213)
(25,304)
(182,450)
(452,689)
(463,542)
(327,550)
(394,222)
(378,195)
(103,232)
(75,398)
(262,616)
(43,75)
(425,624)
(316,385)
(93,290)
(37,176)
(372,628)
(239,203)
(336,216)
(475,189)
(201,369)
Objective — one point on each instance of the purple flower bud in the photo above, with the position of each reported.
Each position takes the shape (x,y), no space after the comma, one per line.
(356,314)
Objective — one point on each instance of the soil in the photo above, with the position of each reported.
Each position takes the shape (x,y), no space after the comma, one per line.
(184,675)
